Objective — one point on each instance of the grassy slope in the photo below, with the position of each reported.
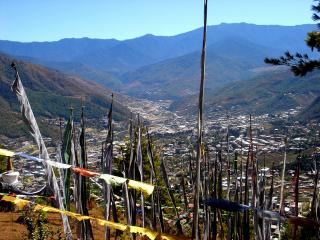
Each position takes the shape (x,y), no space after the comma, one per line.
(50,93)
(269,92)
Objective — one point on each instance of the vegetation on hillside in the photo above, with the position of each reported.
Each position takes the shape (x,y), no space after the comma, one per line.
(300,63)
(50,93)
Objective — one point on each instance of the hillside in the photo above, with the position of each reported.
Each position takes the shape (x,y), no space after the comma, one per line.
(311,112)
(51,93)
(227,61)
(108,79)
(266,93)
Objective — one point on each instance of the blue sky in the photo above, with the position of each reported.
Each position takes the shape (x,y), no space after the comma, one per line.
(47,20)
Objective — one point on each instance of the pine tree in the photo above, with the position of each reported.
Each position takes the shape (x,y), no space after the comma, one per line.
(301,64)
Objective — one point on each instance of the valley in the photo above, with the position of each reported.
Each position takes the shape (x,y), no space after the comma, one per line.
(139,99)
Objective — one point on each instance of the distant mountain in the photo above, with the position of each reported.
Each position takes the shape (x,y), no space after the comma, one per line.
(266,93)
(228,60)
(271,36)
(51,93)
(159,67)
(128,64)
(59,51)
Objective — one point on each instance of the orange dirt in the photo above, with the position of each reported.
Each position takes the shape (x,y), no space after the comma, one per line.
(11,230)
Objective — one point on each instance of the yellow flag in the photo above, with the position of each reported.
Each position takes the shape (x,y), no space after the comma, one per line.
(144,231)
(20,203)
(6,153)
(143,187)
(114,225)
(8,198)
(166,237)
(46,209)
(113,180)
(38,207)
(79,217)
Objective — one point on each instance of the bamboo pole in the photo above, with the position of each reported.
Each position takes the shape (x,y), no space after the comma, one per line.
(282,178)
(195,228)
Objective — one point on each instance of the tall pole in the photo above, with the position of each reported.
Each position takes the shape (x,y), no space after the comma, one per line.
(228,160)
(195,229)
(282,178)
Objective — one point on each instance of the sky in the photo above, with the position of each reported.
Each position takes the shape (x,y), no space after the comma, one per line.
(50,20)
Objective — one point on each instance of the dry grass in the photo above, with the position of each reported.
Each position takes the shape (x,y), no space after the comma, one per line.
(11,230)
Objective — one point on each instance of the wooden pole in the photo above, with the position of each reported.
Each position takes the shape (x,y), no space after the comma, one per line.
(195,229)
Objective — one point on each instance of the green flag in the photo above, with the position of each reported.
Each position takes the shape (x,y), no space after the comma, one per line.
(66,158)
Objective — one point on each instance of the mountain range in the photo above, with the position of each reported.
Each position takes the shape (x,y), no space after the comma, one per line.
(126,66)
(161,67)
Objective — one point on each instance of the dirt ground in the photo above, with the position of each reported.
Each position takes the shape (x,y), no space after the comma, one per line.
(11,230)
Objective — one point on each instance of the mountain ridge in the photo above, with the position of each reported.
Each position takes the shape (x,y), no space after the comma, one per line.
(167,67)
(125,65)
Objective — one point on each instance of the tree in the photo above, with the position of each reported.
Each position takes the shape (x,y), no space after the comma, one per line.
(301,64)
